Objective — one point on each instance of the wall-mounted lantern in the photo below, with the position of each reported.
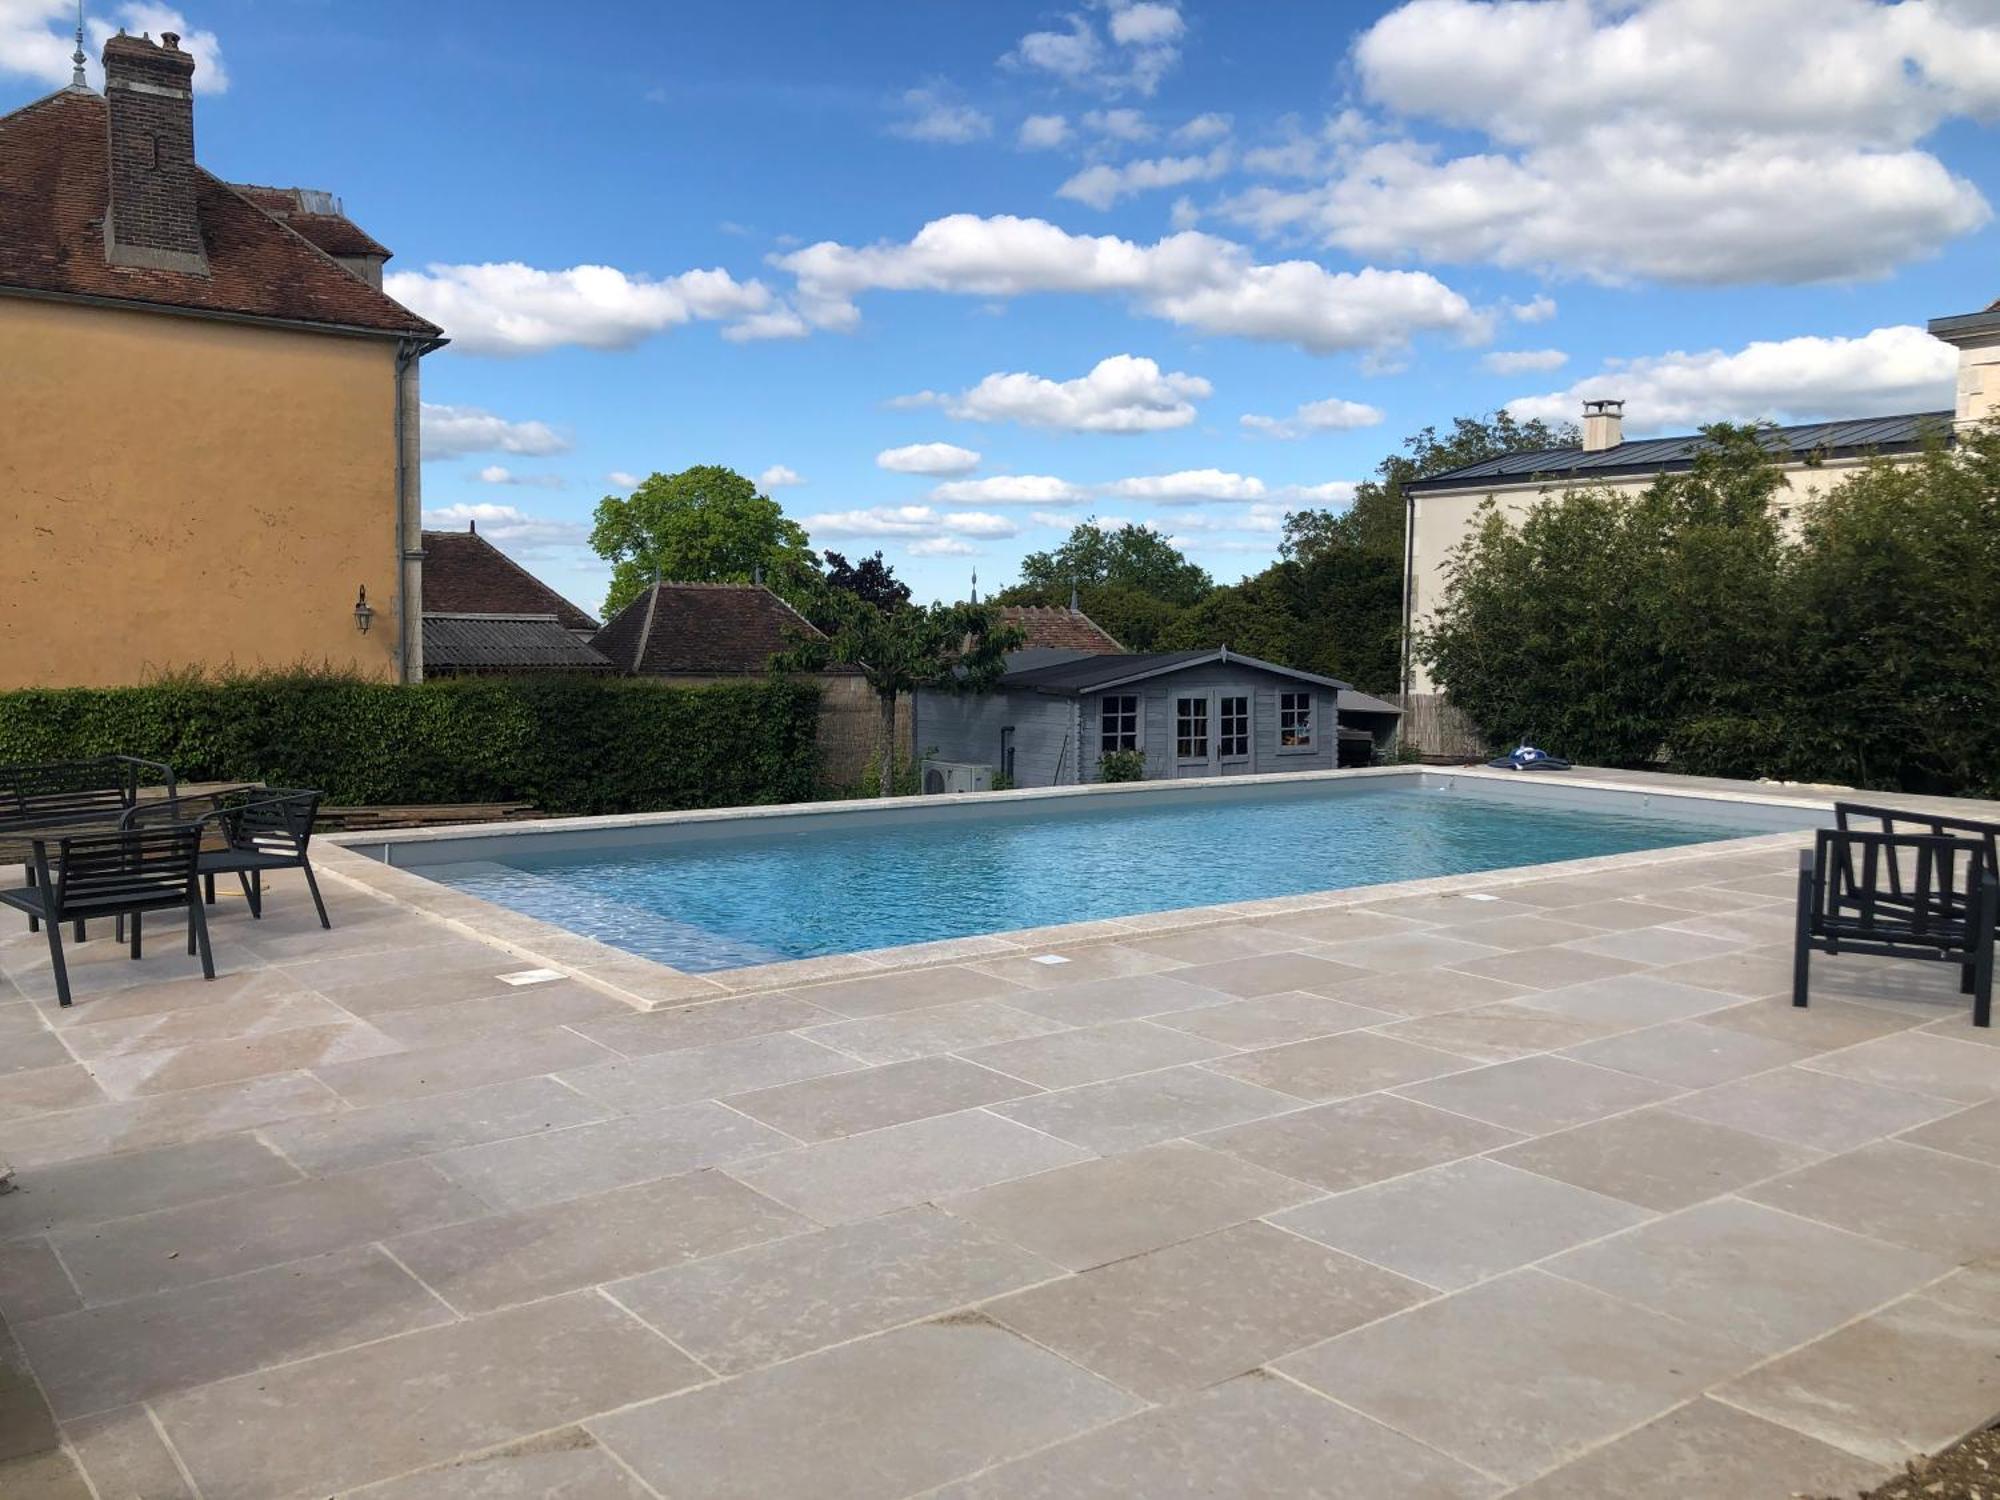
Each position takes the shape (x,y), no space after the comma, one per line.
(364,613)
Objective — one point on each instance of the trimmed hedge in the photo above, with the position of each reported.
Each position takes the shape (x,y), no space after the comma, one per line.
(568,745)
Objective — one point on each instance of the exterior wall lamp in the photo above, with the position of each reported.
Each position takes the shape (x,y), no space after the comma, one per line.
(364,612)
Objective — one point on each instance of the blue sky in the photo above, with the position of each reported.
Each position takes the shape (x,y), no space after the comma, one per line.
(1186,263)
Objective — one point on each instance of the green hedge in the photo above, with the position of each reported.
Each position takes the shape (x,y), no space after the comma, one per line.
(568,745)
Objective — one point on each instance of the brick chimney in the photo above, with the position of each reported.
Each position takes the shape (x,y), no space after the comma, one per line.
(1603,425)
(151,220)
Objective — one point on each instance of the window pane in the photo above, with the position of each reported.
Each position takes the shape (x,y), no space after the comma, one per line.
(1120,729)
(1295,720)
(1233,733)
(1191,728)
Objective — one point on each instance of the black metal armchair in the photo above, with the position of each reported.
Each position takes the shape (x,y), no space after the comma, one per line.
(124,873)
(69,794)
(264,830)
(1900,895)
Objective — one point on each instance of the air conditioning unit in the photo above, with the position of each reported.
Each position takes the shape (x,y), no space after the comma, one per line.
(956,776)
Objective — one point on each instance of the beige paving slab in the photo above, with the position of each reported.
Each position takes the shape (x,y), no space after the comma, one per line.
(165,1120)
(178,1247)
(925,1033)
(438,1122)
(1212,944)
(1629,999)
(151,995)
(203,1064)
(1750,972)
(47,1475)
(1555,894)
(41,1091)
(101,969)
(1337,1067)
(1130,999)
(1907,1195)
(1547,968)
(821,1109)
(1098,962)
(1536,1095)
(33,1283)
(402,974)
(1708,1451)
(1128,1113)
(1959,1028)
(1404,951)
(701,1025)
(1975,1288)
(1756,927)
(1340,924)
(1973,1132)
(420,1398)
(1518,1374)
(1358,1141)
(1921,1062)
(115,1187)
(1169,1322)
(1656,1158)
(460,1065)
(707,1072)
(1452,1225)
(32,1049)
(253,1013)
(1622,915)
(552,1165)
(1513,932)
(1500,1032)
(1254,1435)
(1454,909)
(1910,1380)
(1662,945)
(1762,1278)
(860,1176)
(124,1455)
(1426,992)
(775,1301)
(1691,1054)
(1099,1211)
(528,1008)
(1271,973)
(567,1464)
(100,1358)
(1089,1054)
(1273,1020)
(494,1262)
(891,1415)
(911,989)
(1820,1110)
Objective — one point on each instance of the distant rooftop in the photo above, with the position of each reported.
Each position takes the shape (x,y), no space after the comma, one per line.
(1854,438)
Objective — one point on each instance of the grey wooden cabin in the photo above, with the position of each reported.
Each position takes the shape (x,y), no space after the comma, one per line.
(1190,713)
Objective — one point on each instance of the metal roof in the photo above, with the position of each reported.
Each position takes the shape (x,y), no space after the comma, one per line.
(1848,439)
(1091,674)
(1364,703)
(506,643)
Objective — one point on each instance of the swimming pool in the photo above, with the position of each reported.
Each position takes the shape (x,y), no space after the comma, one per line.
(703,896)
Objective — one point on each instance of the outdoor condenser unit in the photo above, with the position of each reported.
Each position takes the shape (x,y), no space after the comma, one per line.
(956,776)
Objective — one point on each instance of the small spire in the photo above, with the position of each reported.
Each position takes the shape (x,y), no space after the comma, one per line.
(975,585)
(76,80)
(1072,598)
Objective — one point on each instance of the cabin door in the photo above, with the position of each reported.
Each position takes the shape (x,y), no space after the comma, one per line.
(1194,741)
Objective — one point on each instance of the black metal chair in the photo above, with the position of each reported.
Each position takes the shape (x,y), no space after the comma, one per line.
(1861,817)
(69,793)
(124,873)
(1899,895)
(264,830)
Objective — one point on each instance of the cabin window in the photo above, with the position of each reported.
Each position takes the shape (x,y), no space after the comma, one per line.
(1121,723)
(1232,728)
(1191,728)
(1295,721)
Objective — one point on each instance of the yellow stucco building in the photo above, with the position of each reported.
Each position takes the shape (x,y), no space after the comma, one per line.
(208,407)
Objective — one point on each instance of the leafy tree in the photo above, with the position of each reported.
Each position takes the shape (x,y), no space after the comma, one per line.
(1255,617)
(1131,557)
(871,580)
(959,648)
(707,524)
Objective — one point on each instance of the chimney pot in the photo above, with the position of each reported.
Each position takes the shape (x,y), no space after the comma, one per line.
(1603,425)
(171,40)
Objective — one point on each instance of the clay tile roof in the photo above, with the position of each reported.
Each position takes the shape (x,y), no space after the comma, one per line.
(54,181)
(729,629)
(334,233)
(1059,629)
(464,574)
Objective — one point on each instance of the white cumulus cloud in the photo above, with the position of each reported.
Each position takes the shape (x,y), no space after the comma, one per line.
(618,479)
(1204,128)
(1331,415)
(518,530)
(1102,184)
(452,431)
(1139,46)
(1009,489)
(778,476)
(507,308)
(501,474)
(1521,361)
(37,38)
(1042,132)
(1884,372)
(932,114)
(1189,486)
(928,458)
(1123,393)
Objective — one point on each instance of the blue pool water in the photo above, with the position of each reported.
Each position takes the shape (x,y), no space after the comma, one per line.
(765,894)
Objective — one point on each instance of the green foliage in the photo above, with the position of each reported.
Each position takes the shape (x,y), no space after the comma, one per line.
(1683,624)
(566,744)
(1122,765)
(871,580)
(1132,557)
(707,524)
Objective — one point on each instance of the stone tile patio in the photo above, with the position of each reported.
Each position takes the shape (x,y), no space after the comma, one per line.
(1550,1196)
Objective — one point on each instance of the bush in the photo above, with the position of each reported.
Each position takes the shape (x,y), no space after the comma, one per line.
(1122,765)
(566,744)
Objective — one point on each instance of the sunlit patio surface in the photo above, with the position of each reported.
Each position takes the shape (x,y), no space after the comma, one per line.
(1541,1189)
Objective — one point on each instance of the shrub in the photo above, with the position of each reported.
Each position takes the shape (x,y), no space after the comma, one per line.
(566,744)
(1122,765)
